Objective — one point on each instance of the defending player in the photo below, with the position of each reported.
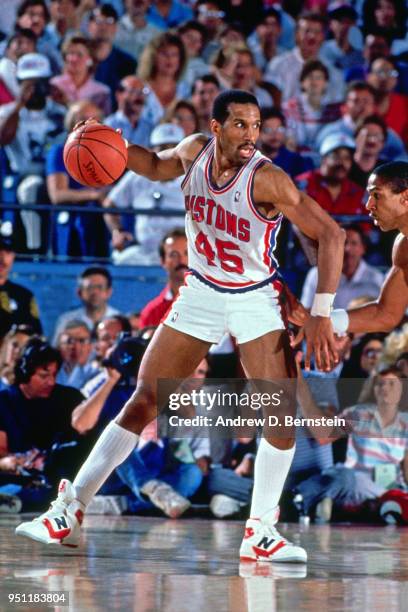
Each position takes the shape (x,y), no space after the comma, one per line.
(235,199)
(388,206)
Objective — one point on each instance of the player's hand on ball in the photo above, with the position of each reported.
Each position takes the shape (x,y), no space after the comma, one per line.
(320,341)
(90,121)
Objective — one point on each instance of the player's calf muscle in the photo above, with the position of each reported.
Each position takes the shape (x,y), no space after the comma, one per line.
(139,410)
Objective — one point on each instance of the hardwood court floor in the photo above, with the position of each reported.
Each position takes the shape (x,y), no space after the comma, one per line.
(151,564)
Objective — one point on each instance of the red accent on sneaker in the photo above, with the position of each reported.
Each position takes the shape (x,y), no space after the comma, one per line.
(260,552)
(247,559)
(62,486)
(79,516)
(57,535)
(249,532)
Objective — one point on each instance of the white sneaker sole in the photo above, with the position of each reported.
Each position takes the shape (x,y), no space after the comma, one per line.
(26,532)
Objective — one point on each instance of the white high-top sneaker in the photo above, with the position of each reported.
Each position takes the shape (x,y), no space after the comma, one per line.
(263,542)
(61,524)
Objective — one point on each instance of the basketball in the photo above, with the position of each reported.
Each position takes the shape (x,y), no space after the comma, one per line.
(95,155)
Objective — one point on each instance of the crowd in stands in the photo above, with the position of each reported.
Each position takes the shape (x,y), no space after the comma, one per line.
(318,69)
(331,79)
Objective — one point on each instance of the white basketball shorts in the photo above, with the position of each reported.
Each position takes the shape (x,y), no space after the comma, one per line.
(207,314)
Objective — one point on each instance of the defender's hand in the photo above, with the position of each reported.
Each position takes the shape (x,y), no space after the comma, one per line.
(319,336)
(295,312)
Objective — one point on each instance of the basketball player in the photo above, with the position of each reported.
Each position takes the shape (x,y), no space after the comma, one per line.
(388,206)
(235,199)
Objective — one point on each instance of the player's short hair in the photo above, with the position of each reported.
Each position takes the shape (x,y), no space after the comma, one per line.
(220,110)
(394,174)
(177,232)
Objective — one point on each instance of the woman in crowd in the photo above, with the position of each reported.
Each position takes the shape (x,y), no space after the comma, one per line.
(184,114)
(378,439)
(76,82)
(161,67)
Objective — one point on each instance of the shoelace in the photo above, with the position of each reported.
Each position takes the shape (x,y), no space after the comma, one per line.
(274,533)
(58,506)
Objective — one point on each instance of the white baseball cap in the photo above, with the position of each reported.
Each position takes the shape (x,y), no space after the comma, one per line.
(336,141)
(166,133)
(33,66)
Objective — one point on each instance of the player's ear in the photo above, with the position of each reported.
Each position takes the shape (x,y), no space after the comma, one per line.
(404,198)
(215,127)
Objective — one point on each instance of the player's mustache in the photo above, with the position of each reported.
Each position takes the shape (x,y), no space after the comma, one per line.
(247,144)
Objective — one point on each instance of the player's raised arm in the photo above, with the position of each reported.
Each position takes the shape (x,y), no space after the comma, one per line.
(274,186)
(168,164)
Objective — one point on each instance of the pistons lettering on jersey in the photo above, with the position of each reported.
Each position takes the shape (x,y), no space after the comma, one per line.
(206,210)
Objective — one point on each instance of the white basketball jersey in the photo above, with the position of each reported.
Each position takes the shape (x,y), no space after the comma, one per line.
(231,245)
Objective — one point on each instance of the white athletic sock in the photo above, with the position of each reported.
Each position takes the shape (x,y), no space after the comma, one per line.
(271,468)
(113,446)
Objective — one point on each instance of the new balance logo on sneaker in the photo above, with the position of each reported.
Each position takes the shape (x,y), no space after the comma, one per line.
(263,542)
(61,529)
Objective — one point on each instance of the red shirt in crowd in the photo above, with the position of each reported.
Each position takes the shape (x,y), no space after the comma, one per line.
(350,200)
(157,308)
(396,116)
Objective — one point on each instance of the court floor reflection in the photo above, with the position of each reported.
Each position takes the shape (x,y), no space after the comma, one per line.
(149,564)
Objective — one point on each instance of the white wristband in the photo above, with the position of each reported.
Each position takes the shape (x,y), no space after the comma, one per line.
(340,321)
(322,304)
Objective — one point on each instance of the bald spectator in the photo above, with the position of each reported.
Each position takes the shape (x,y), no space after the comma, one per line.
(131,116)
(329,185)
(284,70)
